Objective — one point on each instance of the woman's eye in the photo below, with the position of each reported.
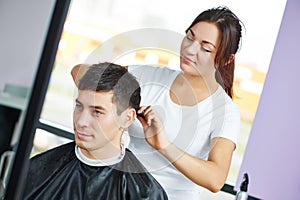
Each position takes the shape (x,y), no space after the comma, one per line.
(206,50)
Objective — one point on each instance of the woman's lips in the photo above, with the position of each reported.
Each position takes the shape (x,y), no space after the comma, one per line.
(187,60)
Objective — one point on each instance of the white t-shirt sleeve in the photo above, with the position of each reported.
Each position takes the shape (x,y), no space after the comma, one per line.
(228,125)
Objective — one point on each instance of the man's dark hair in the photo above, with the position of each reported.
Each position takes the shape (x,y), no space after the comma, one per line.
(112,77)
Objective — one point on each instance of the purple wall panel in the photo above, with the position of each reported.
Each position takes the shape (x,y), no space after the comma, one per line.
(272,157)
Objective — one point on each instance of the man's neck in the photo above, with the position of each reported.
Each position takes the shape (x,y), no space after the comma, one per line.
(97,162)
(106,152)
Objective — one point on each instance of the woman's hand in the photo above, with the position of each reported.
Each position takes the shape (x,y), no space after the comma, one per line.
(153,127)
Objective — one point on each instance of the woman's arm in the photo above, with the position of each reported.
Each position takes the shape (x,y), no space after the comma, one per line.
(211,173)
(78,71)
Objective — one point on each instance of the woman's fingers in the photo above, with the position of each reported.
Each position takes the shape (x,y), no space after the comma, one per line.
(141,118)
(142,109)
(147,113)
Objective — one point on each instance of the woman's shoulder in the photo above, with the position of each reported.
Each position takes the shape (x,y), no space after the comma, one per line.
(224,98)
(151,68)
(145,73)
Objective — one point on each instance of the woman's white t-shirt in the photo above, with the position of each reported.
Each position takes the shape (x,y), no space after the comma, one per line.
(189,127)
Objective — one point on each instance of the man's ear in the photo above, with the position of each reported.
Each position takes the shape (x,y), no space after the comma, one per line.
(78,71)
(129,115)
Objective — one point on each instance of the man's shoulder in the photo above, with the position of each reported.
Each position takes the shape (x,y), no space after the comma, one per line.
(55,154)
(130,163)
(139,180)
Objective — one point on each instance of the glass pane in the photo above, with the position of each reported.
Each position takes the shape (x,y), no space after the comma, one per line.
(44,141)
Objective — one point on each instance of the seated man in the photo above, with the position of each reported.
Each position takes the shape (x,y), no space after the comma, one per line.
(97,165)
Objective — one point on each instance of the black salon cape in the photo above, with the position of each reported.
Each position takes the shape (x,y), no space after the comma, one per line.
(58,174)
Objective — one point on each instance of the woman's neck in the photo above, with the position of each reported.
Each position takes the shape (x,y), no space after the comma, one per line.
(189,90)
(198,83)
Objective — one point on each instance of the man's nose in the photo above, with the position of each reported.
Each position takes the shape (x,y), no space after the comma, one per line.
(83,119)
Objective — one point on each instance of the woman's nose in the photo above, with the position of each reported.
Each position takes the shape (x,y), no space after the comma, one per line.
(194,47)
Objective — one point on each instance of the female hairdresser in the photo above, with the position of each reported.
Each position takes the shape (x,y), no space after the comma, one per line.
(191,140)
(192,124)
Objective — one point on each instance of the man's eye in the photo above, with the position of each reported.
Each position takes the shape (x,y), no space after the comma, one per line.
(189,38)
(78,106)
(97,112)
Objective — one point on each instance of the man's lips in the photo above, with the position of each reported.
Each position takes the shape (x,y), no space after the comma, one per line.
(83,135)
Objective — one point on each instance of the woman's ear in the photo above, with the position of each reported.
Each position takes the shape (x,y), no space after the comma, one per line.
(231,59)
(78,71)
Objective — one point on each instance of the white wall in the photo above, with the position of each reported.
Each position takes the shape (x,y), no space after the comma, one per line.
(23,26)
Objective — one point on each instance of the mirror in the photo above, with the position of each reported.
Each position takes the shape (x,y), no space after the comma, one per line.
(27,52)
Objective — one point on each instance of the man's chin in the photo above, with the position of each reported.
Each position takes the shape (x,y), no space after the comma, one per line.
(80,144)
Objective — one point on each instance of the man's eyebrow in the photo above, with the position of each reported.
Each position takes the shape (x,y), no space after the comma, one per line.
(77,101)
(98,108)
(204,41)
(93,107)
(192,32)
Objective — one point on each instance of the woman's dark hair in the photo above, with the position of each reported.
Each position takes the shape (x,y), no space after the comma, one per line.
(231,32)
(112,77)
